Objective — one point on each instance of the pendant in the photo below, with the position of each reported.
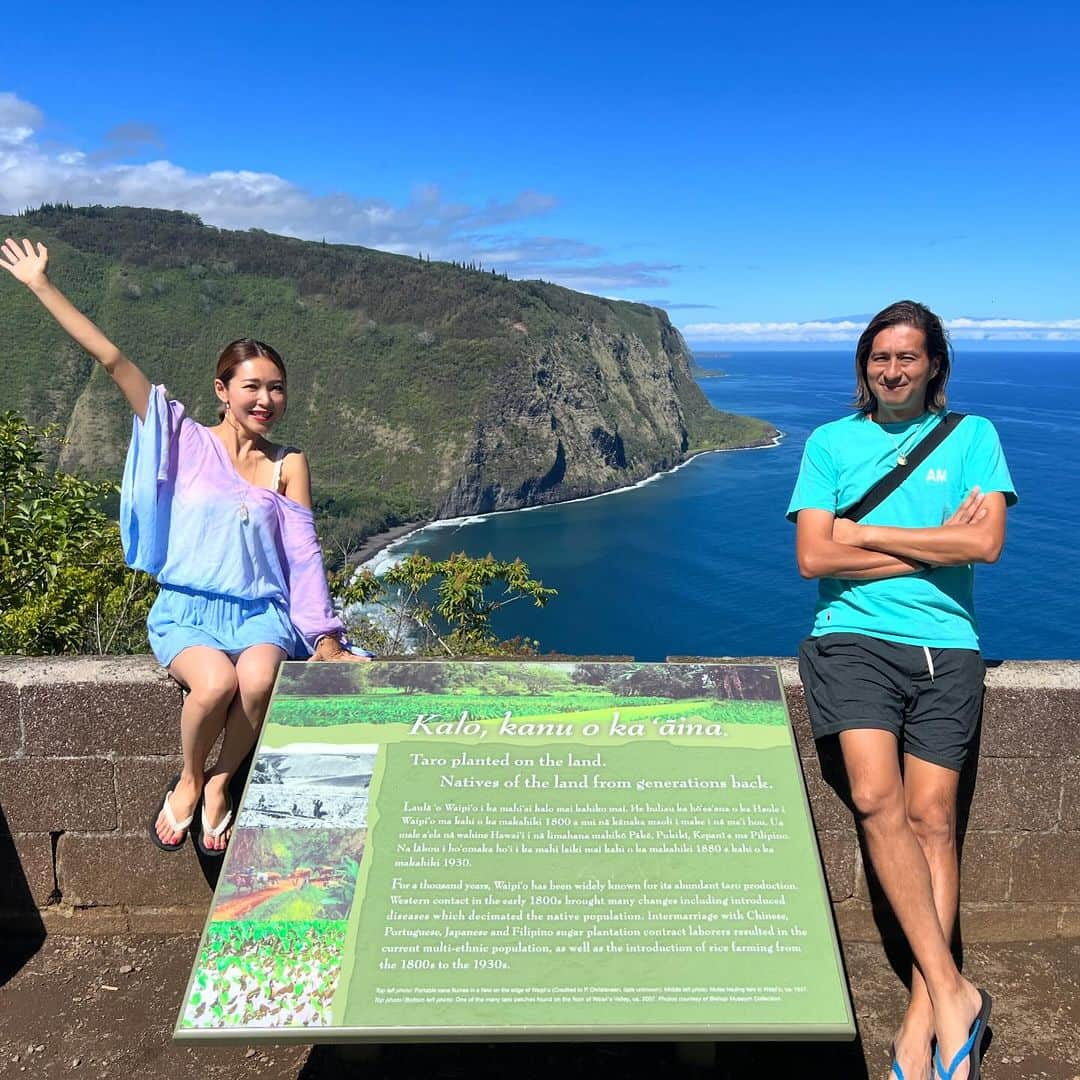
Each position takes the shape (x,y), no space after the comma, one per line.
(900,460)
(243,512)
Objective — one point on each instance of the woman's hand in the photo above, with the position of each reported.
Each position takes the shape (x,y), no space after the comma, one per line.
(29,266)
(23,263)
(330,649)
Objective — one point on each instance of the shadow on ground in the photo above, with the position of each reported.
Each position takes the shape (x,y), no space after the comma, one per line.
(18,908)
(110,1004)
(572,1060)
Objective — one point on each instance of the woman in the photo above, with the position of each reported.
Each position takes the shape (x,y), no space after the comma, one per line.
(222,517)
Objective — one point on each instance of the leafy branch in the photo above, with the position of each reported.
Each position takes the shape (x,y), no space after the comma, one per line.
(447,604)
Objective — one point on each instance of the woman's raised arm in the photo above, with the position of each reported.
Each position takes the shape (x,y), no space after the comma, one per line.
(29,266)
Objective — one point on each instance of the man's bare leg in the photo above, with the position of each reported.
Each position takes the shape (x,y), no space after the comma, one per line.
(210,678)
(255,671)
(877,790)
(930,793)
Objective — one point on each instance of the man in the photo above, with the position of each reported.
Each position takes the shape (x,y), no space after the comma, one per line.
(892,664)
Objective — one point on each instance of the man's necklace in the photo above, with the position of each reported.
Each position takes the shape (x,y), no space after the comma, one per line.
(901,454)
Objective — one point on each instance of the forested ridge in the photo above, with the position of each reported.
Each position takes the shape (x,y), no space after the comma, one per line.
(418,388)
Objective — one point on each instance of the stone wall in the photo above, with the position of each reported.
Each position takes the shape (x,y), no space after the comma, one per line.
(87,746)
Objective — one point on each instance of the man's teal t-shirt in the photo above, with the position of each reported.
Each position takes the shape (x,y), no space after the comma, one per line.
(841,462)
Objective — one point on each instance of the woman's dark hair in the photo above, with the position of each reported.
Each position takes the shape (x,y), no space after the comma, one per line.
(920,317)
(236,352)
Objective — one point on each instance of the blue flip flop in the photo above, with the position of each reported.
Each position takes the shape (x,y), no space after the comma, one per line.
(971,1051)
(895,1066)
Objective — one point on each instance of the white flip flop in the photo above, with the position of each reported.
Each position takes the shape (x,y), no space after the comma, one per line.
(170,820)
(213,830)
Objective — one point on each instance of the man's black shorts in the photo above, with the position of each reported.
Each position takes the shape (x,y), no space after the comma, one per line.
(930,699)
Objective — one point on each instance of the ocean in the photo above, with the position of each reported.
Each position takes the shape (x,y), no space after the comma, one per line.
(700,561)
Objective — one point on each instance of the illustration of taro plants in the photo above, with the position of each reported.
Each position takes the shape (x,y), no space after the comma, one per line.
(255,974)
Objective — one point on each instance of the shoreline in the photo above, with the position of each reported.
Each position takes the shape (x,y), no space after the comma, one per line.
(378,548)
(380,541)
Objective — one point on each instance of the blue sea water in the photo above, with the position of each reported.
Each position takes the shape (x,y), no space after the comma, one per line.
(701,561)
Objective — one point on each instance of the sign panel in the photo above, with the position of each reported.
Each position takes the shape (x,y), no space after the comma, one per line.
(441,849)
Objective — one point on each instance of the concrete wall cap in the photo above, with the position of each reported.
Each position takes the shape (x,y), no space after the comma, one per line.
(22,671)
(1004,674)
(28,671)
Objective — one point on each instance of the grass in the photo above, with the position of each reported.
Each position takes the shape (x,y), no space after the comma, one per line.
(385,708)
(404,708)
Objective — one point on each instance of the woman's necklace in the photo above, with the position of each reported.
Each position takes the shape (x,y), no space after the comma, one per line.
(242,510)
(901,455)
(245,514)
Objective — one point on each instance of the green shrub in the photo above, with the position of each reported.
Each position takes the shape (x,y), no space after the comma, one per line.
(64,587)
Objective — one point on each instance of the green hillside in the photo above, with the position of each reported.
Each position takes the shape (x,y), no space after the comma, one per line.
(418,389)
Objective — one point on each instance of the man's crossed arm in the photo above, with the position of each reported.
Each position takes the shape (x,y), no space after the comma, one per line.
(827,546)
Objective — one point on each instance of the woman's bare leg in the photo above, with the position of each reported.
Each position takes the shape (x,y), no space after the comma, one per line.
(256,669)
(210,678)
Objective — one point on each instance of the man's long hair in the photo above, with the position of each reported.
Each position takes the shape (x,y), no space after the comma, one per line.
(938,347)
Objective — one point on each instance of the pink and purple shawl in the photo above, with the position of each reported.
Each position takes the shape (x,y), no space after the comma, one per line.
(188,518)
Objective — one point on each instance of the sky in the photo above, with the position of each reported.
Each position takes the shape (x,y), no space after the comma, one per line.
(771,176)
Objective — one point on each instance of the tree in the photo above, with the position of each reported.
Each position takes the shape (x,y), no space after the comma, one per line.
(64,587)
(645,679)
(445,605)
(596,674)
(418,677)
(325,680)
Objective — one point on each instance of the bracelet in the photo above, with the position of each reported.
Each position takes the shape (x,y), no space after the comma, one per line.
(346,646)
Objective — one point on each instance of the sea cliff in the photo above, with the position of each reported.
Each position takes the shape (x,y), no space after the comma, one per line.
(418,389)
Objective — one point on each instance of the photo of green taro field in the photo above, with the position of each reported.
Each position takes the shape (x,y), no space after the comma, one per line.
(266,974)
(393,692)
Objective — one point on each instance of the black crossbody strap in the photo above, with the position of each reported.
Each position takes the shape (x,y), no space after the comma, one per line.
(893,479)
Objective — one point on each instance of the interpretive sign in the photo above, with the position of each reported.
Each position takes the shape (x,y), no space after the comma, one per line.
(441,849)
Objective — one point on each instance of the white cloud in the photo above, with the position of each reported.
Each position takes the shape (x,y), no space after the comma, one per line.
(31,174)
(845,330)
(18,119)
(1053,329)
(820,330)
